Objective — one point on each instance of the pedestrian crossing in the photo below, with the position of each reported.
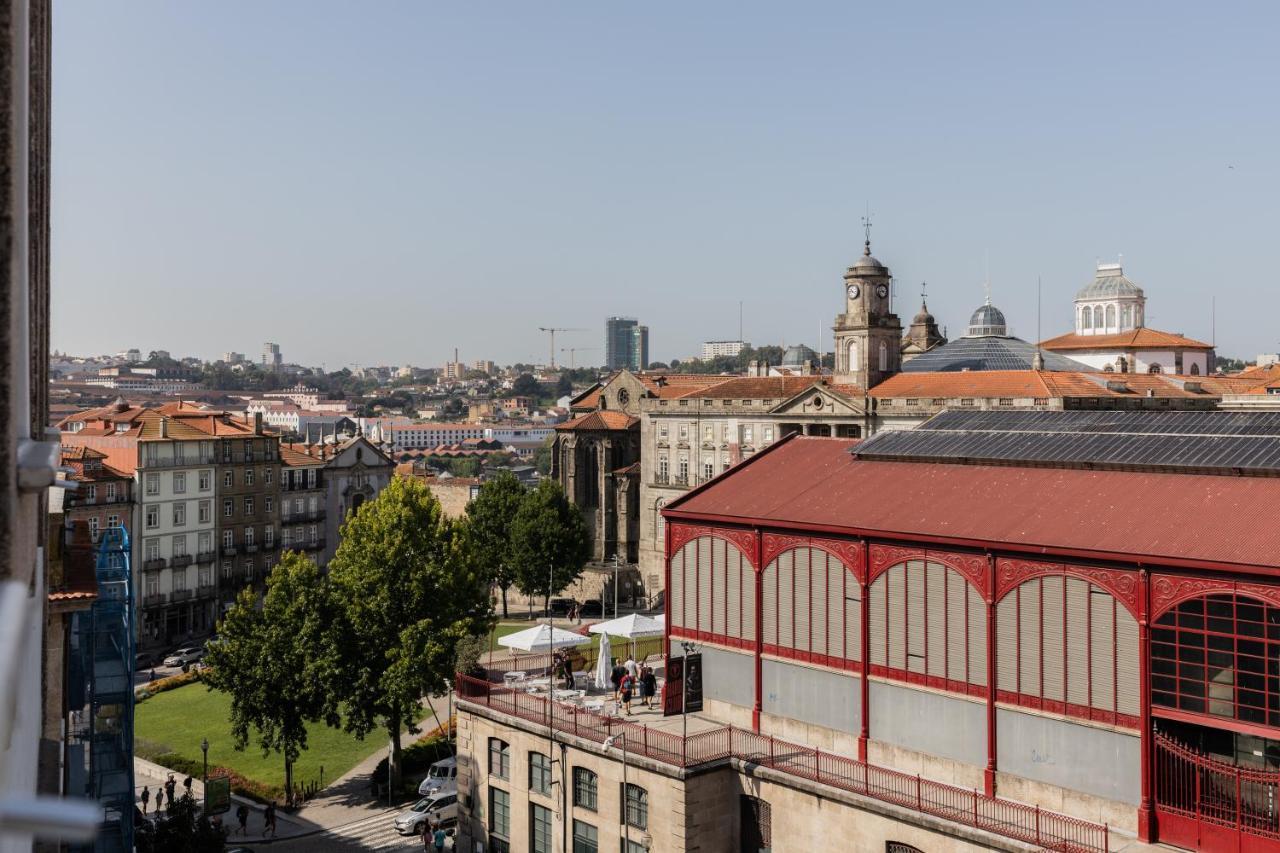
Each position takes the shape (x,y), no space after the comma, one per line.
(369,834)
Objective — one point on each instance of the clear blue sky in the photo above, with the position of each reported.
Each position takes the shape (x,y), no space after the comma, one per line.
(381,182)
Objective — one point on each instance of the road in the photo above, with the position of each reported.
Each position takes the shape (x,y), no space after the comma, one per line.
(373,833)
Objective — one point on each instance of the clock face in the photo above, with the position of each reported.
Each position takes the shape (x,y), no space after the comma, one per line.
(853,291)
(883,290)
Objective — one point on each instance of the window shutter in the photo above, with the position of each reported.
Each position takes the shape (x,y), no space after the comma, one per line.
(719,570)
(914,578)
(853,618)
(1029,637)
(1102,648)
(733,593)
(1077,629)
(977,635)
(1126,662)
(879,608)
(1053,667)
(1007,642)
(957,611)
(676,593)
(769,599)
(803,603)
(835,608)
(786,592)
(895,620)
(748,600)
(936,603)
(704,583)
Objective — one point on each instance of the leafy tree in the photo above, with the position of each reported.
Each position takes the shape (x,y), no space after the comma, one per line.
(549,542)
(659,365)
(264,660)
(542,457)
(489,519)
(526,386)
(404,593)
(182,827)
(565,386)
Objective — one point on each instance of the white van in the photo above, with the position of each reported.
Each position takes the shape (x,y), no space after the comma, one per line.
(441,776)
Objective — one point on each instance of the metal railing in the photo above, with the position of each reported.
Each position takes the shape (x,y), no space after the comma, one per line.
(1020,821)
(182,595)
(155,564)
(180,561)
(207,557)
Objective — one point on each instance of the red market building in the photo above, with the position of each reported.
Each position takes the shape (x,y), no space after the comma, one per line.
(1081,613)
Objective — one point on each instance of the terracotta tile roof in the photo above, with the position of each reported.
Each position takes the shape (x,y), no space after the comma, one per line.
(671,385)
(294,457)
(604,419)
(760,387)
(1135,339)
(1269,372)
(1204,518)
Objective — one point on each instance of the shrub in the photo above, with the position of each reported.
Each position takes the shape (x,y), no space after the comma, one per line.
(161,685)
(246,787)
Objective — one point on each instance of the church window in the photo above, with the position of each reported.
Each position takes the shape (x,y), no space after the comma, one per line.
(1085,315)
(853,357)
(1195,370)
(1155,368)
(1111,316)
(884,356)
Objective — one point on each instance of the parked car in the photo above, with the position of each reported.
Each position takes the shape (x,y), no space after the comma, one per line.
(591,608)
(440,808)
(143,661)
(184,656)
(561,606)
(441,776)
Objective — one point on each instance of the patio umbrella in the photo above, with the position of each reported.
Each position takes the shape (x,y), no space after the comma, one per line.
(604,665)
(631,626)
(541,638)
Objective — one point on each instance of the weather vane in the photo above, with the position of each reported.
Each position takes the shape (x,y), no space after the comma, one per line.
(866,228)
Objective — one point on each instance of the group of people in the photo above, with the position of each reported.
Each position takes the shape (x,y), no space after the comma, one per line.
(433,836)
(167,790)
(631,678)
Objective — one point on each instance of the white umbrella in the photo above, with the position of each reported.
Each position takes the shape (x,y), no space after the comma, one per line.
(631,626)
(604,665)
(541,638)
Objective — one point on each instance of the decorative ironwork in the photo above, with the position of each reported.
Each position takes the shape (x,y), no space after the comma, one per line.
(973,567)
(679,535)
(1122,585)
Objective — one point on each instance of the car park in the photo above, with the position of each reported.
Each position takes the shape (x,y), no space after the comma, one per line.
(441,808)
(184,656)
(441,776)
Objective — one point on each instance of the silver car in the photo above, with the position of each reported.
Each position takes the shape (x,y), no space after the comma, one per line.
(441,808)
(441,776)
(185,655)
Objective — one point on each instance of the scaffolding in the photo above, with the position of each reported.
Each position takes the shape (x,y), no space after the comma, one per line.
(100,684)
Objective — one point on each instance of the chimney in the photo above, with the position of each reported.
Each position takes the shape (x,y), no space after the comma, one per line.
(1037,361)
(257,423)
(164,427)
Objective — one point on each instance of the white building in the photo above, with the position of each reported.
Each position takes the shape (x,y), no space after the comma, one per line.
(712,349)
(1111,333)
(271,358)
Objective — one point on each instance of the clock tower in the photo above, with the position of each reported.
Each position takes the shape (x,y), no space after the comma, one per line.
(868,334)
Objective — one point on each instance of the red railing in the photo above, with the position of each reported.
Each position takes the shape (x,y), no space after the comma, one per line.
(1195,786)
(1020,821)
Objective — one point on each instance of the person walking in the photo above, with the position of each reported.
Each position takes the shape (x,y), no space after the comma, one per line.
(171,785)
(648,685)
(269,819)
(633,668)
(427,836)
(627,686)
(146,798)
(615,677)
(242,818)
(438,837)
(159,799)
(186,783)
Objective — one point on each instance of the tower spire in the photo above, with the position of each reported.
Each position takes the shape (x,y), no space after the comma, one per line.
(924,297)
(866,230)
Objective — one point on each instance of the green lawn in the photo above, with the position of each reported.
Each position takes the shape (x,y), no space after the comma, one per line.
(176,720)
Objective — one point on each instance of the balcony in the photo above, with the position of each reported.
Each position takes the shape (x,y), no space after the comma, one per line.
(181,561)
(155,564)
(181,595)
(206,591)
(299,517)
(251,547)
(155,599)
(312,545)
(207,557)
(228,550)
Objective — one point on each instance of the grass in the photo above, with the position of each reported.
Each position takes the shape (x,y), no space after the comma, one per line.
(176,721)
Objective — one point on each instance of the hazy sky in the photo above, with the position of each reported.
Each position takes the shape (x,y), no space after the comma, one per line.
(381,182)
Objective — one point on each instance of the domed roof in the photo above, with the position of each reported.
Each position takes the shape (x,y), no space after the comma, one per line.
(1109,282)
(923,317)
(868,264)
(797,355)
(987,321)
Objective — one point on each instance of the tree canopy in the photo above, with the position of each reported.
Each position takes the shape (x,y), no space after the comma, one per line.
(489,519)
(549,542)
(526,386)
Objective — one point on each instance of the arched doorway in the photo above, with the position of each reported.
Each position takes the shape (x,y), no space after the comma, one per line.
(1215,700)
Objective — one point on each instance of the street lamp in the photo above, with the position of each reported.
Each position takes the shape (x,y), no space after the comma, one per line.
(688,648)
(626,823)
(204,747)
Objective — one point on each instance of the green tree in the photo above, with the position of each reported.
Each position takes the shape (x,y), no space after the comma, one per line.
(526,386)
(542,456)
(183,828)
(404,593)
(565,386)
(489,519)
(549,542)
(264,660)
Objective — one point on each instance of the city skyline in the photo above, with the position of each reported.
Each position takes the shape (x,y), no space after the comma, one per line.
(449,167)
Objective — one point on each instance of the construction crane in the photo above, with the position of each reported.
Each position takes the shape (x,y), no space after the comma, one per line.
(572,350)
(553,331)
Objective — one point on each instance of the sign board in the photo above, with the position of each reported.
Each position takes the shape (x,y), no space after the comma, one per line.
(671,691)
(217,795)
(693,682)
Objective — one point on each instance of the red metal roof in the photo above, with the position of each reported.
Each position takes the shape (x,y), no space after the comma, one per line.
(815,483)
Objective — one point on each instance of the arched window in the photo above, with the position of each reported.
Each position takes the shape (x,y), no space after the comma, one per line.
(1155,368)
(712,591)
(853,356)
(637,806)
(929,624)
(884,356)
(1195,370)
(1086,318)
(585,788)
(1067,646)
(1097,317)
(1126,317)
(812,607)
(1215,655)
(1137,317)
(1111,317)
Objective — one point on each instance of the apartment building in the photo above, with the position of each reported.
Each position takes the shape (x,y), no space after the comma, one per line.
(248,509)
(304,500)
